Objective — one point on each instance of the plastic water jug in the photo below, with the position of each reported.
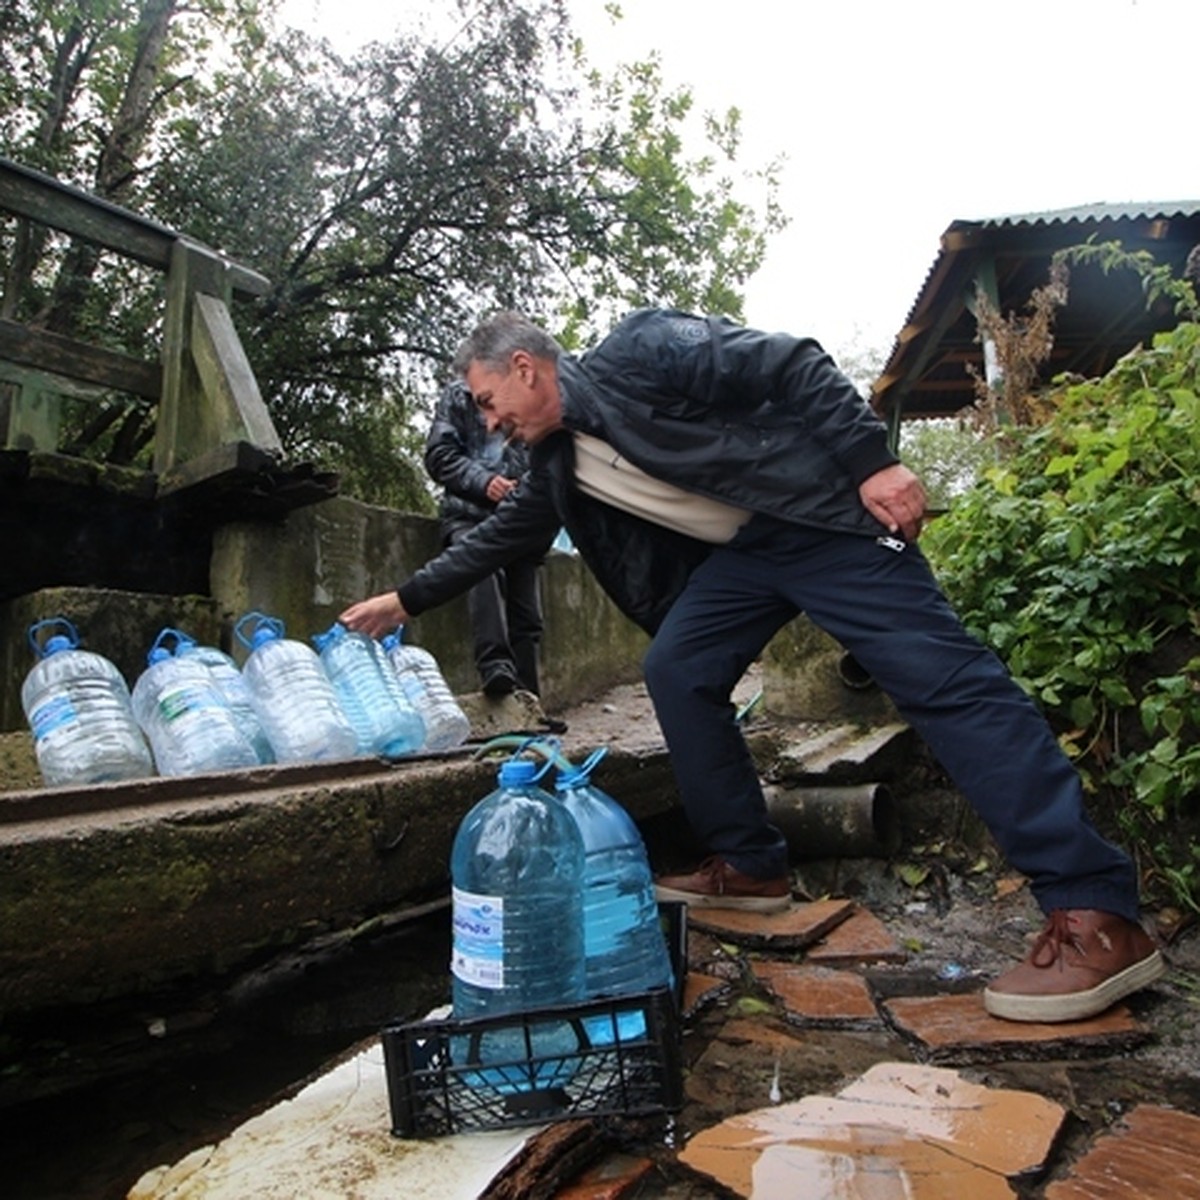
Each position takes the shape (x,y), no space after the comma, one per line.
(78,707)
(384,721)
(446,725)
(292,695)
(227,676)
(190,727)
(517,870)
(624,946)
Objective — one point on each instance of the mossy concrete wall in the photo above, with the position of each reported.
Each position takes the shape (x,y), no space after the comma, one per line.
(305,570)
(326,556)
(115,890)
(803,672)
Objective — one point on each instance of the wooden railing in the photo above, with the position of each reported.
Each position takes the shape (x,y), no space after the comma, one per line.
(211,419)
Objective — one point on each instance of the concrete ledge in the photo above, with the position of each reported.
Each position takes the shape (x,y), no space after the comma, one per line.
(114,890)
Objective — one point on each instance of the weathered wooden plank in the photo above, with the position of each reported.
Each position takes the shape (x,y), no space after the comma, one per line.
(48,201)
(233,400)
(59,355)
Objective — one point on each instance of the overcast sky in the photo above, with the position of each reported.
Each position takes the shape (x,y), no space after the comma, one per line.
(898,118)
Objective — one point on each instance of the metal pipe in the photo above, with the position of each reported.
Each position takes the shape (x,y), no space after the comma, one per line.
(836,822)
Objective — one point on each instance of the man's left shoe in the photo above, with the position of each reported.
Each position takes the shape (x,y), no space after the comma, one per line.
(718,884)
(1082,962)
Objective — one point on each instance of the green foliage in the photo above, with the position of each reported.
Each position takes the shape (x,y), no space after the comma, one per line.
(1078,561)
(392,199)
(948,454)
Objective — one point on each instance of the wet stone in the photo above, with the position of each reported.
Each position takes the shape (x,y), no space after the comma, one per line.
(957,1026)
(699,990)
(799,926)
(861,938)
(900,1129)
(813,994)
(1151,1153)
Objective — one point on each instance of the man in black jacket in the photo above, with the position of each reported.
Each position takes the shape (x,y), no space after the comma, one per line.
(717,481)
(479,468)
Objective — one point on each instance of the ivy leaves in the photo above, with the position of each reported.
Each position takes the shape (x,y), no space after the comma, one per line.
(1078,560)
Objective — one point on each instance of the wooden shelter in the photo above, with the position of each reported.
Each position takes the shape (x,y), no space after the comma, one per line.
(1006,258)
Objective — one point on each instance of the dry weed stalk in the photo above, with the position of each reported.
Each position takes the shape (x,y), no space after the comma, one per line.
(1022,344)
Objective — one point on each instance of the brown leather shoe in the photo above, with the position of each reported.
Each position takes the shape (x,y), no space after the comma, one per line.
(717,884)
(1082,962)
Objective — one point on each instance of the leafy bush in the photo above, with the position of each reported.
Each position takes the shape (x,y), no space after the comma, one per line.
(1078,561)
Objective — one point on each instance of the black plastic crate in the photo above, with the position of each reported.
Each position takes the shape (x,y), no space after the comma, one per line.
(615,1056)
(632,1068)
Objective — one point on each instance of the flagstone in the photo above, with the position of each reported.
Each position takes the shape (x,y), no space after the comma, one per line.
(902,1130)
(1151,1153)
(798,926)
(956,1024)
(818,993)
(861,938)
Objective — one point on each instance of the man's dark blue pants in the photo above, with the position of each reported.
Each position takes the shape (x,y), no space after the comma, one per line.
(884,606)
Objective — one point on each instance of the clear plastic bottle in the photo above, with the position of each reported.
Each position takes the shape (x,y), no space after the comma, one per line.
(184,716)
(517,869)
(292,695)
(227,676)
(446,725)
(624,946)
(384,721)
(78,706)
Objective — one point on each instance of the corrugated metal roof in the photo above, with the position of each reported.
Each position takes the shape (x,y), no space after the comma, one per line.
(1149,209)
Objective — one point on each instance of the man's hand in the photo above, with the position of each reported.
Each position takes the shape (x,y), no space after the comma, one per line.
(498,487)
(895,497)
(375,616)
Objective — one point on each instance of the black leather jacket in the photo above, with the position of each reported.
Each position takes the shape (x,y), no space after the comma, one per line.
(762,421)
(463,457)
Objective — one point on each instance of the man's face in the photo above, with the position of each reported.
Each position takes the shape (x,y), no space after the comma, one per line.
(522,402)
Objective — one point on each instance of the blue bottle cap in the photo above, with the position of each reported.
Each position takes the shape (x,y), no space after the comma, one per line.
(56,643)
(264,634)
(518,772)
(157,654)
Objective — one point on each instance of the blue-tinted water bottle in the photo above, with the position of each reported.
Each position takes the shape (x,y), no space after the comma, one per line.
(517,870)
(184,716)
(78,707)
(624,945)
(384,721)
(227,676)
(446,725)
(292,695)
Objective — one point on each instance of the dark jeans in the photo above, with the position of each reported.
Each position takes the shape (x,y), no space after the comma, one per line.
(506,619)
(884,606)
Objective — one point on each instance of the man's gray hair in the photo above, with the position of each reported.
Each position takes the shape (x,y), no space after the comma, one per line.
(493,342)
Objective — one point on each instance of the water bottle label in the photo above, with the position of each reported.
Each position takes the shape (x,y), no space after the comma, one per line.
(177,702)
(478,954)
(52,714)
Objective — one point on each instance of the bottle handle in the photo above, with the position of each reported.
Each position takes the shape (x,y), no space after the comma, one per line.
(181,639)
(592,761)
(50,622)
(262,619)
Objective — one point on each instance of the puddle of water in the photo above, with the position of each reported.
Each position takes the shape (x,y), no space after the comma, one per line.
(154,1099)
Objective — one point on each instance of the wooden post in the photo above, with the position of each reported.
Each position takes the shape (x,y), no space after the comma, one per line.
(209,396)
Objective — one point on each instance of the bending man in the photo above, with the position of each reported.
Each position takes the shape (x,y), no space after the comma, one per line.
(718,481)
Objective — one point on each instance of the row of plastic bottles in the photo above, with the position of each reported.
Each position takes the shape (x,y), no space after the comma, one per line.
(193,710)
(553,904)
